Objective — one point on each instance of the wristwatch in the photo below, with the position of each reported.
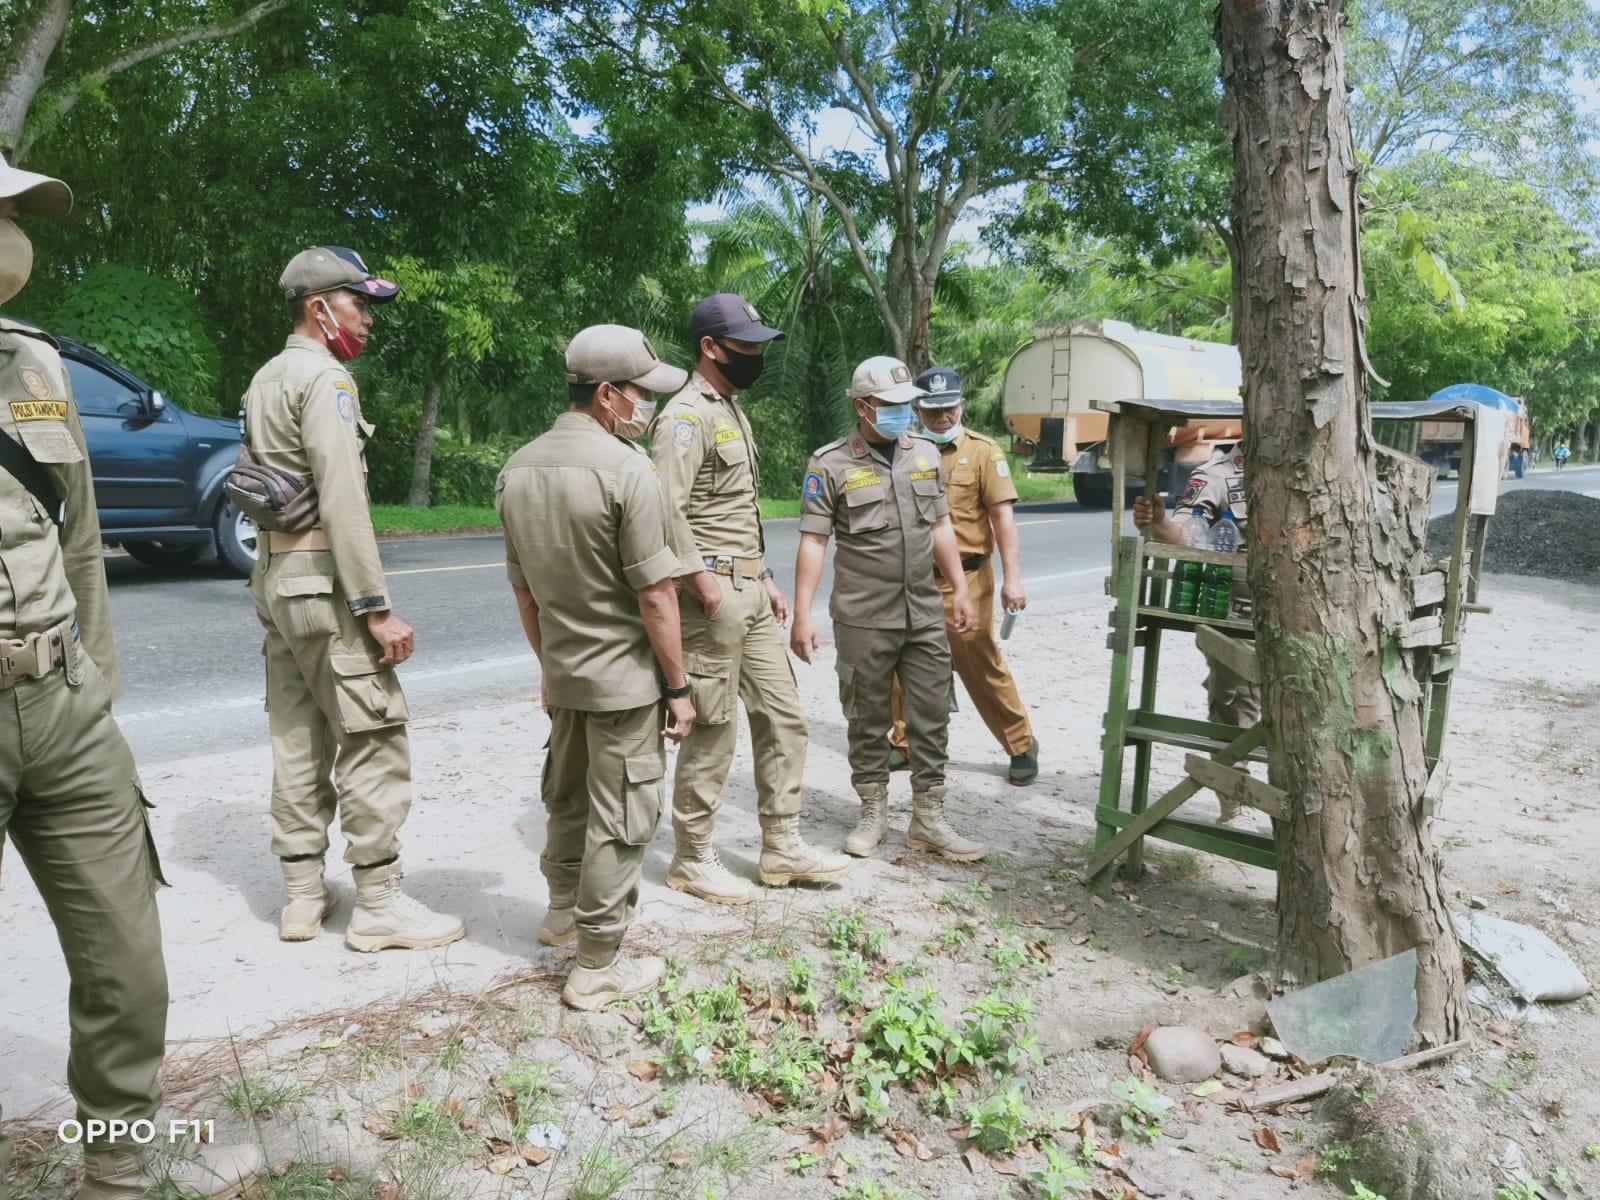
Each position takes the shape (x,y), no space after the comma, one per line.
(675,693)
(765,574)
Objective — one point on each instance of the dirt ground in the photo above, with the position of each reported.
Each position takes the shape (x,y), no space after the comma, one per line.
(459,1075)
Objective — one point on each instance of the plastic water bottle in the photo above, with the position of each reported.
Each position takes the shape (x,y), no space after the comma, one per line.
(1188,576)
(1217,584)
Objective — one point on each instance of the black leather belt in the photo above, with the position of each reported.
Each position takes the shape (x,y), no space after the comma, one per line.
(968,564)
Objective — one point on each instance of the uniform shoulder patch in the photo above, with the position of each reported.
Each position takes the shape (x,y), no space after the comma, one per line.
(813,485)
(344,394)
(1001,467)
(683,431)
(33,381)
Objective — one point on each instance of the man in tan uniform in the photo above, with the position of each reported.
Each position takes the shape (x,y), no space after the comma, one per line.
(69,791)
(977,483)
(1216,487)
(732,614)
(587,556)
(337,714)
(879,491)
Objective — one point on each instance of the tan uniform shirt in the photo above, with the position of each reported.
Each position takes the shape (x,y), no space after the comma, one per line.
(303,416)
(1219,484)
(976,477)
(883,515)
(710,473)
(48,575)
(585,532)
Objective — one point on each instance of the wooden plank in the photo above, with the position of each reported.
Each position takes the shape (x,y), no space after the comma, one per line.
(1230,783)
(1125,567)
(1427,589)
(1109,851)
(1424,631)
(1237,656)
(1433,793)
(1326,1081)
(1456,583)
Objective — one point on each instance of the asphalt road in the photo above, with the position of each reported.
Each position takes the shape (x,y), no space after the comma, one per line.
(190,645)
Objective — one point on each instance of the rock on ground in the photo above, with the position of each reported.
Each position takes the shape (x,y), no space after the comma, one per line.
(1182,1055)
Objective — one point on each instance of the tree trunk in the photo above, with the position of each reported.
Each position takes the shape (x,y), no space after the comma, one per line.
(38,33)
(422,468)
(1337,525)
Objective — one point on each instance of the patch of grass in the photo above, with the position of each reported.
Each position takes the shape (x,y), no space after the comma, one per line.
(402,518)
(772,509)
(1038,487)
(871,1189)
(1363,1192)
(252,1096)
(1143,1106)
(527,1093)
(848,931)
(602,1173)
(319,1181)
(430,1124)
(1061,1176)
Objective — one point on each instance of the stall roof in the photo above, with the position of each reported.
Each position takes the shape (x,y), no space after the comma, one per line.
(1382,410)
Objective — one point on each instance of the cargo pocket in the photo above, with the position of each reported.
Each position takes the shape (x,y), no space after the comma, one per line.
(308,606)
(643,796)
(847,689)
(927,493)
(867,509)
(711,688)
(369,694)
(733,467)
(150,839)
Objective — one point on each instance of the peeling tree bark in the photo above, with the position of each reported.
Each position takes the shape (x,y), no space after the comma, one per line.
(1337,525)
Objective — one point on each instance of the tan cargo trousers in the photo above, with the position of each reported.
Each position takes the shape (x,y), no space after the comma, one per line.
(603,785)
(977,659)
(337,717)
(739,654)
(70,799)
(869,660)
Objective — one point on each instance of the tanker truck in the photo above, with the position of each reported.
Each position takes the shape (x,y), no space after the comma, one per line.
(1052,384)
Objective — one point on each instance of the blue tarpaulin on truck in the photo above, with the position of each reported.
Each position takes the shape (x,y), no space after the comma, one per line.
(1476,393)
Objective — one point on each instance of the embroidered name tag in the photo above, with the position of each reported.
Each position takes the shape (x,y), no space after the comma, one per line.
(728,435)
(861,477)
(924,474)
(38,410)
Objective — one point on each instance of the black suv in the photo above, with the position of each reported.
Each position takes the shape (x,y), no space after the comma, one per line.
(158,470)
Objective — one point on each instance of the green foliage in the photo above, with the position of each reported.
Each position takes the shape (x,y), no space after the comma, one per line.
(1363,1192)
(1001,1123)
(254,1096)
(149,325)
(1061,1176)
(847,930)
(1143,1107)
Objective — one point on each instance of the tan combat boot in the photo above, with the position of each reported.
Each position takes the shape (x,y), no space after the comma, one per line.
(874,823)
(700,873)
(786,858)
(208,1172)
(560,926)
(386,918)
(931,833)
(592,988)
(1227,811)
(308,901)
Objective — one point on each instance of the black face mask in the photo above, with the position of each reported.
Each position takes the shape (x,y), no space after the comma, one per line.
(741,369)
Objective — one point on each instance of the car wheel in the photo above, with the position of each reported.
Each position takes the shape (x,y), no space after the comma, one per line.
(1092,491)
(165,554)
(236,538)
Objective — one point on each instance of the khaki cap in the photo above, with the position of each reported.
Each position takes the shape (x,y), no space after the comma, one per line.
(620,354)
(884,378)
(36,195)
(324,268)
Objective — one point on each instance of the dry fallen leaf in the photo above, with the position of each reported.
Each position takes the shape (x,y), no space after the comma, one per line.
(974,1159)
(615,1113)
(644,1070)
(1137,1049)
(534,1156)
(388,1190)
(503,1164)
(675,1156)
(334,1175)
(837,1171)
(1282,1172)
(1079,939)
(1306,1169)
(1267,1138)
(1243,1038)
(381,1125)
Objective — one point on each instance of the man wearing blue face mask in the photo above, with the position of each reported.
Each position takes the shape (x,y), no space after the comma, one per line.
(978,485)
(880,492)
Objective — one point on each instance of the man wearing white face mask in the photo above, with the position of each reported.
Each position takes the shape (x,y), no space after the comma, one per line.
(334,704)
(70,797)
(880,492)
(977,481)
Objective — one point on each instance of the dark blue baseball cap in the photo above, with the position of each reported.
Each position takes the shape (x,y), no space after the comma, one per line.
(943,386)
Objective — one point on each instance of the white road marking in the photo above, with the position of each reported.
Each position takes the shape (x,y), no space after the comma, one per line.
(436,570)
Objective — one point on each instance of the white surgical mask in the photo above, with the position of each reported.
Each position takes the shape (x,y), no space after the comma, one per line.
(945,438)
(635,425)
(16,259)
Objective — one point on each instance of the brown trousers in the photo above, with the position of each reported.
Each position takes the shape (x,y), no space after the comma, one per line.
(977,659)
(868,662)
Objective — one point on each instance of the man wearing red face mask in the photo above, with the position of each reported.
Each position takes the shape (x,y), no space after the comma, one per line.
(335,708)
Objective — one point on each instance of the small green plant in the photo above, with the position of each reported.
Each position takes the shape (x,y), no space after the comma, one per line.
(252,1096)
(1335,1158)
(1061,1177)
(318,1181)
(958,935)
(602,1172)
(848,931)
(1175,975)
(527,1094)
(1143,1106)
(1363,1192)
(1521,1190)
(1010,957)
(1367,1096)
(799,1162)
(1592,1151)
(998,1033)
(799,983)
(871,1189)
(850,975)
(1002,1123)
(426,1123)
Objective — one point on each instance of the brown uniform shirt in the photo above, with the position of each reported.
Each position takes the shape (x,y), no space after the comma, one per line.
(303,416)
(585,531)
(883,515)
(706,460)
(48,575)
(976,478)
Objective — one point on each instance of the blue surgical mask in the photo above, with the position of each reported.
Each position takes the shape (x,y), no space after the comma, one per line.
(945,438)
(891,420)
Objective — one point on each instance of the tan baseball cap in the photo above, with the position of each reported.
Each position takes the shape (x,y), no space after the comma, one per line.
(324,268)
(620,354)
(886,378)
(36,195)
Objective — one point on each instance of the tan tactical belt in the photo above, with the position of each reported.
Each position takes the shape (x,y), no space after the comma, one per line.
(308,539)
(36,655)
(740,568)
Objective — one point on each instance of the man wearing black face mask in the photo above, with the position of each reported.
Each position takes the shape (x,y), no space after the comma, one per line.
(732,615)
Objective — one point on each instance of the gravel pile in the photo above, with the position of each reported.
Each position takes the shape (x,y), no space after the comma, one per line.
(1553,535)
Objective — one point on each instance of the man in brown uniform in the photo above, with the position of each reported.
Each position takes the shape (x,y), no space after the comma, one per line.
(587,556)
(879,491)
(335,708)
(69,790)
(977,483)
(732,613)
(1216,487)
